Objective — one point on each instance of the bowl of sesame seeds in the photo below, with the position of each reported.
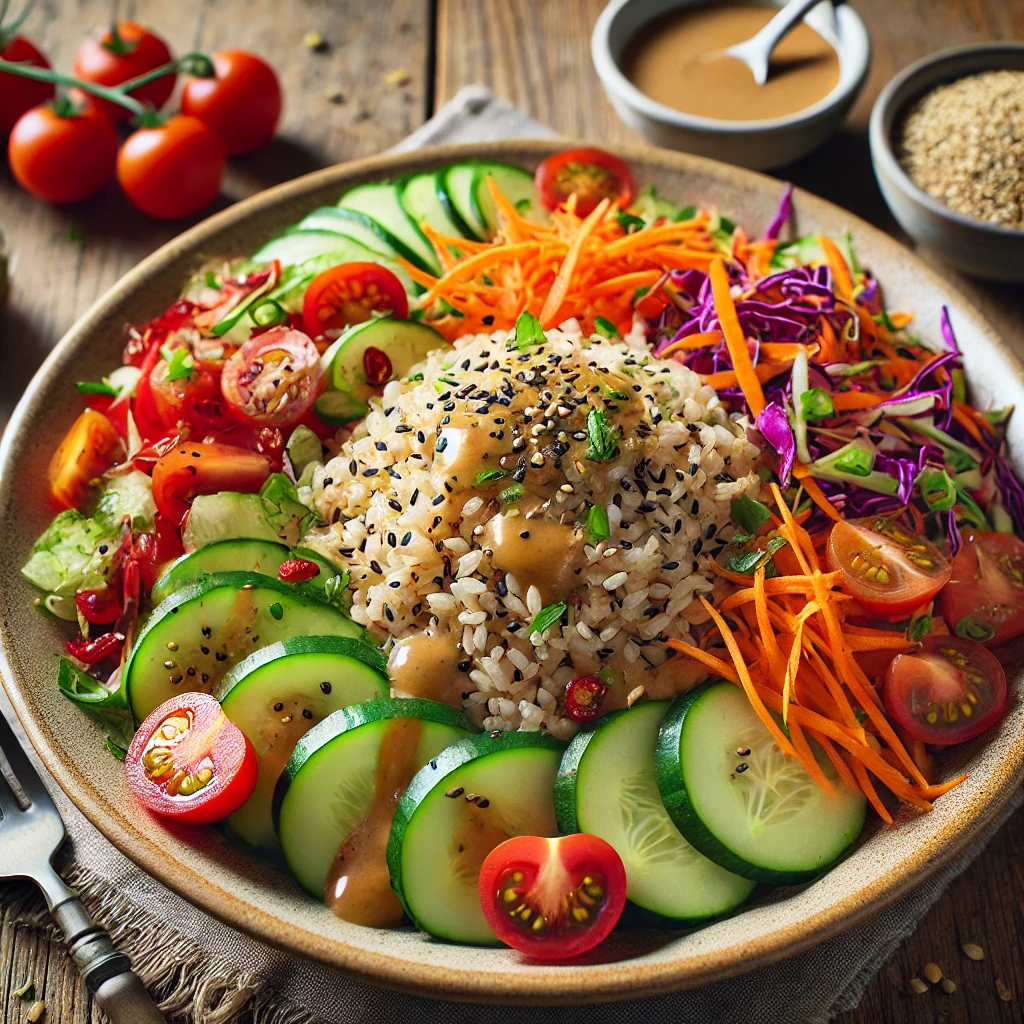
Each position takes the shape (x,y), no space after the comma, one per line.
(947,145)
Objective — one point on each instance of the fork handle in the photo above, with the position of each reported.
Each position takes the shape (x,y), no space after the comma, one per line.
(116,988)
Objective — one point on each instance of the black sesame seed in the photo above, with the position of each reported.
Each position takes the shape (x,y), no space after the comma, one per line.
(279,706)
(403,428)
(395,504)
(375,566)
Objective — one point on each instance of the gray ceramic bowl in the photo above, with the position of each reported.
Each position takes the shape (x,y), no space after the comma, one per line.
(973,246)
(757,144)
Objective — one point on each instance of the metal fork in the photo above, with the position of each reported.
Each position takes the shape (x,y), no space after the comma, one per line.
(31,832)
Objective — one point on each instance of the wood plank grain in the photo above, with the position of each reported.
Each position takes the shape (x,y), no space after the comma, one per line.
(63,259)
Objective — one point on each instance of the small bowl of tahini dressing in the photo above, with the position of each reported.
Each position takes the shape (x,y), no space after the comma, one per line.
(663,68)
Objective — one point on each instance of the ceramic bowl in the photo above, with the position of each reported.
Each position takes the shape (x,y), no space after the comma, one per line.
(978,248)
(757,144)
(251,894)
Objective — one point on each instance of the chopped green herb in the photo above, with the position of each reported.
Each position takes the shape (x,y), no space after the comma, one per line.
(749,515)
(918,627)
(96,387)
(605,327)
(607,676)
(628,222)
(816,405)
(686,213)
(528,331)
(547,617)
(973,628)
(748,562)
(511,494)
(598,528)
(414,377)
(276,611)
(180,364)
(938,490)
(855,461)
(211,280)
(603,439)
(488,476)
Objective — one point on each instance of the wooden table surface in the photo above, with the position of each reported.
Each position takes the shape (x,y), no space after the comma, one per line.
(534,53)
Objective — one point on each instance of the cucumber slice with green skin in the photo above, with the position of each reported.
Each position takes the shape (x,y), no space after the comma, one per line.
(606,786)
(440,837)
(195,637)
(222,556)
(421,199)
(329,786)
(381,202)
(351,224)
(770,822)
(336,408)
(515,184)
(282,691)
(458,187)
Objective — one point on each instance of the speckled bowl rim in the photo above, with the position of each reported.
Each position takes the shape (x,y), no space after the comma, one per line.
(626,979)
(882,124)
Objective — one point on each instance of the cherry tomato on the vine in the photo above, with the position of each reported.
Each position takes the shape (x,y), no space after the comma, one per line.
(88,450)
(553,899)
(118,54)
(172,170)
(241,102)
(889,570)
(62,156)
(192,469)
(351,293)
(188,762)
(274,378)
(984,599)
(19,94)
(589,174)
(948,692)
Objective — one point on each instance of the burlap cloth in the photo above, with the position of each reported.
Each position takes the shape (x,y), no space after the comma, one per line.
(207,972)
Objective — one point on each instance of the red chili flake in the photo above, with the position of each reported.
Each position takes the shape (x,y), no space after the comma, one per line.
(584,697)
(99,607)
(377,367)
(297,570)
(92,652)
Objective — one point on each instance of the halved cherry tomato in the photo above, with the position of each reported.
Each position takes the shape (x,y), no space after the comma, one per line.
(188,762)
(949,692)
(589,174)
(241,102)
(195,399)
(88,450)
(192,469)
(984,599)
(19,94)
(349,294)
(118,54)
(889,570)
(553,899)
(273,378)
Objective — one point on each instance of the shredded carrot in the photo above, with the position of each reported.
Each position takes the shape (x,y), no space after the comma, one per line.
(841,272)
(553,302)
(845,401)
(966,421)
(694,341)
(748,381)
(814,492)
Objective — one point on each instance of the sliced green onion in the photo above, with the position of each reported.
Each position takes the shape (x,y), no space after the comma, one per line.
(856,461)
(816,405)
(180,364)
(488,476)
(972,628)
(605,327)
(269,313)
(938,490)
(211,280)
(96,387)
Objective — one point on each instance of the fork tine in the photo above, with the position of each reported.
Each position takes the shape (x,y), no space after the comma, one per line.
(21,769)
(9,802)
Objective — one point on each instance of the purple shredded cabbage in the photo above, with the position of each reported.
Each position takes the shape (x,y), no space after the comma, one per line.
(774,426)
(781,218)
(947,332)
(953,532)
(1011,493)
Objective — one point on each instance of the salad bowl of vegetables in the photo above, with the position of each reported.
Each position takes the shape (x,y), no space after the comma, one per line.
(722,597)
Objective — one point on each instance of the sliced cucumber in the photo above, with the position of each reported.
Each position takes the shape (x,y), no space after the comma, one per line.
(606,787)
(770,821)
(515,184)
(350,224)
(421,199)
(469,799)
(280,692)
(336,408)
(195,637)
(458,188)
(222,556)
(382,203)
(330,785)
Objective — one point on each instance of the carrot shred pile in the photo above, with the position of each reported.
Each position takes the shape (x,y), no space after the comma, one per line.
(583,267)
(790,650)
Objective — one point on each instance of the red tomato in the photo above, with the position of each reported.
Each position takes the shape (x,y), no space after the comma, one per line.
(273,378)
(195,400)
(553,899)
(87,451)
(188,762)
(118,54)
(192,469)
(241,103)
(949,692)
(62,159)
(173,170)
(589,174)
(18,94)
(349,294)
(887,569)
(984,599)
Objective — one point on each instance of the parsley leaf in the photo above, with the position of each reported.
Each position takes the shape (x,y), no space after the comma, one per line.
(528,331)
(604,440)
(628,222)
(547,617)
